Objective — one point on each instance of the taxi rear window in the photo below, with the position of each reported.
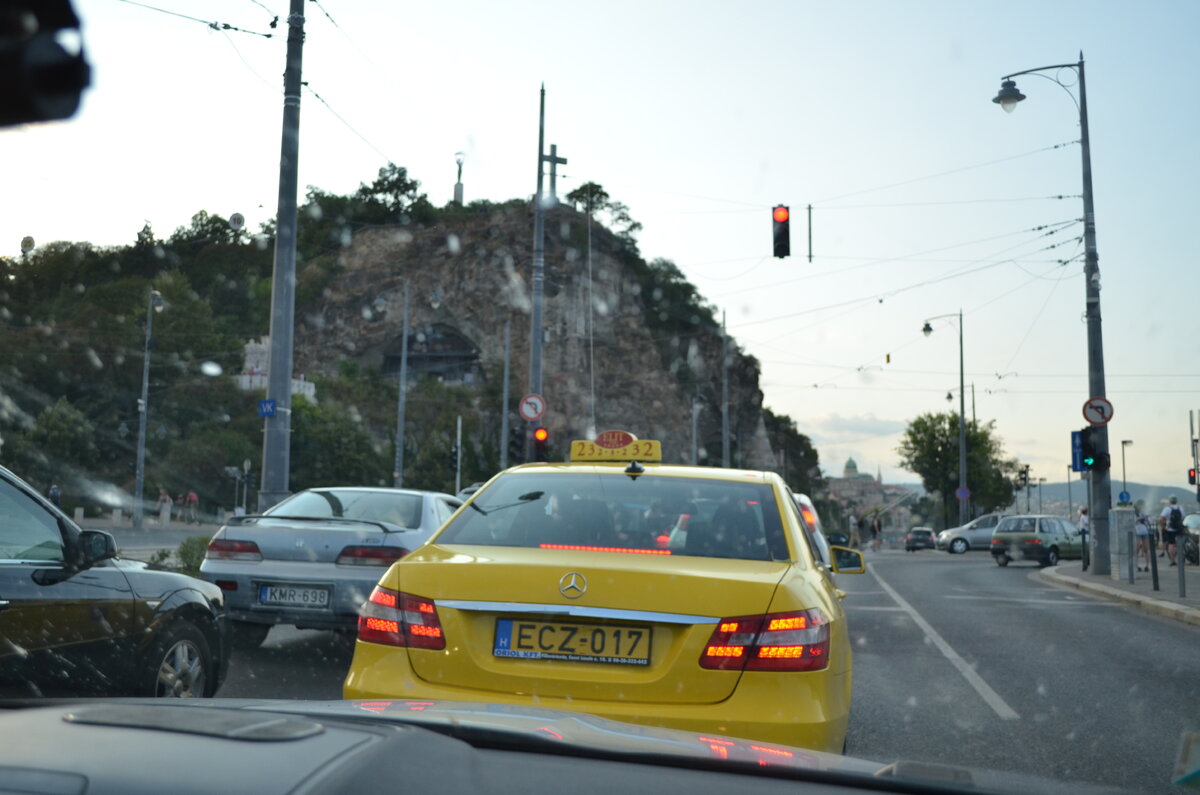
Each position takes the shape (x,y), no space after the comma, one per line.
(1017,525)
(648,515)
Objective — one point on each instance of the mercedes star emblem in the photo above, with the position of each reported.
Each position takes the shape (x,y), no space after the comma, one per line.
(572,585)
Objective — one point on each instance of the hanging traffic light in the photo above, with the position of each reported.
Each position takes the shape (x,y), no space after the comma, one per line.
(540,437)
(780,217)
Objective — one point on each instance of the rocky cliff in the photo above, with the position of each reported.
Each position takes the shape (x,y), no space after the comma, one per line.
(470,273)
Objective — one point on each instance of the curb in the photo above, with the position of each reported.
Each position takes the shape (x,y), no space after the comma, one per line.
(1148,604)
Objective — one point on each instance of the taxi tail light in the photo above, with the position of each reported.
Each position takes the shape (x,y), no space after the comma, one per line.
(793,641)
(394,618)
(225,549)
(370,556)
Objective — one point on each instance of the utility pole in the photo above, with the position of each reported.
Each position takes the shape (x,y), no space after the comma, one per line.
(504,398)
(724,394)
(277,443)
(402,397)
(458,455)
(537,332)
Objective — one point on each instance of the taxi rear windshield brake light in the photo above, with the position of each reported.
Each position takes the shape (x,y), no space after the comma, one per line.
(584,548)
(793,641)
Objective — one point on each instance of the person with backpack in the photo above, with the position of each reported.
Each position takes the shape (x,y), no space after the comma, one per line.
(1170,522)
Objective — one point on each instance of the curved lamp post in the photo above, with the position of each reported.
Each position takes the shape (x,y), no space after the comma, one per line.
(154,303)
(1008,98)
(962,412)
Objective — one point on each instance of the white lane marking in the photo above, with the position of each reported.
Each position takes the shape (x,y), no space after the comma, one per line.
(1036,601)
(867,607)
(991,697)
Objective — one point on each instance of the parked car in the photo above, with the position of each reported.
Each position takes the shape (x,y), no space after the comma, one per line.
(312,560)
(76,616)
(975,534)
(919,538)
(1043,539)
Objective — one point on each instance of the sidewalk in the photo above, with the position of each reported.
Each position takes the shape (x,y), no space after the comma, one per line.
(1140,594)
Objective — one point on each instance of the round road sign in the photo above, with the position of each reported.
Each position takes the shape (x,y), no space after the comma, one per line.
(1098,411)
(963,493)
(532,407)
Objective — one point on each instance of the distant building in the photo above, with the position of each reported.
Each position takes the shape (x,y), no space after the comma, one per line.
(254,377)
(861,493)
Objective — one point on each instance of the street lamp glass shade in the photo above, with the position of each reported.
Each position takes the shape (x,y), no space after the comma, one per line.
(156,301)
(927,329)
(1008,96)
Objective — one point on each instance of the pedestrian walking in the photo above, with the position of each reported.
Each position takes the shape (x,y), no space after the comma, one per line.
(163,506)
(1141,530)
(876,532)
(1170,522)
(54,495)
(193,507)
(855,538)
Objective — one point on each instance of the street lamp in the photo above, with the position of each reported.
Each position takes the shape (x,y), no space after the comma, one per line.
(962,415)
(154,303)
(1007,98)
(1124,443)
(1039,483)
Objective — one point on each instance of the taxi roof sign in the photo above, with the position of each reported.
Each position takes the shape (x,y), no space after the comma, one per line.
(616,446)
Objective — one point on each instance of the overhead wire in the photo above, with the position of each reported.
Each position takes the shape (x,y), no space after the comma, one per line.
(349,126)
(207,23)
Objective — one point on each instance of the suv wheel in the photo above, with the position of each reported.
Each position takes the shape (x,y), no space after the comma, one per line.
(178,664)
(959,545)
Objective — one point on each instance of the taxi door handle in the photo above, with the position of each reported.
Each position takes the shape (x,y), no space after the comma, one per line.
(840,593)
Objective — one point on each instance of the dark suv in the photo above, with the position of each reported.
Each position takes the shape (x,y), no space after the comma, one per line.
(73,615)
(919,538)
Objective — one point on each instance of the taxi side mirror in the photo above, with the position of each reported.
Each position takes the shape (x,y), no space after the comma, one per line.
(848,561)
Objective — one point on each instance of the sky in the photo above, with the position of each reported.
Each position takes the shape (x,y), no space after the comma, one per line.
(927,199)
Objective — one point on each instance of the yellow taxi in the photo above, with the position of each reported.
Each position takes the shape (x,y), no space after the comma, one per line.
(616,585)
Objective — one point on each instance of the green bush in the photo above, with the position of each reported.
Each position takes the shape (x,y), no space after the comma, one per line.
(191,554)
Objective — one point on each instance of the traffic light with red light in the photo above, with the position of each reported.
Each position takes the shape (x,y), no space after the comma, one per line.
(1192,476)
(780,218)
(540,437)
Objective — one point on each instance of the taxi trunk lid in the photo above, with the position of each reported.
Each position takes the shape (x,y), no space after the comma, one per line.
(560,623)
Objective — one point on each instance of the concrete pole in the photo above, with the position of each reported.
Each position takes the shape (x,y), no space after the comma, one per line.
(504,398)
(962,426)
(724,394)
(143,409)
(539,274)
(402,397)
(277,430)
(1101,479)
(458,456)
